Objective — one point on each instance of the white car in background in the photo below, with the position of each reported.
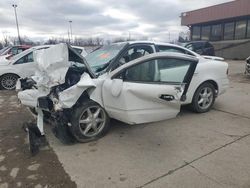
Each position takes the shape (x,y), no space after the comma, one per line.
(22,65)
(121,81)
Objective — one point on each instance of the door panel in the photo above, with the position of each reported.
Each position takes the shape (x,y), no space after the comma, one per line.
(140,103)
(149,89)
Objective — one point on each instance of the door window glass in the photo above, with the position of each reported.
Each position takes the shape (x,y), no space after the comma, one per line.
(158,70)
(172,70)
(143,72)
(25,59)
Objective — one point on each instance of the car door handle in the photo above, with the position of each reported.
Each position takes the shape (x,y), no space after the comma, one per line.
(167,97)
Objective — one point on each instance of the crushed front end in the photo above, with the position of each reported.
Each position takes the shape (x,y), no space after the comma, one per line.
(53,92)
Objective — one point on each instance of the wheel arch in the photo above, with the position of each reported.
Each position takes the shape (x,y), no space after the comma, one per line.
(211,81)
(10,73)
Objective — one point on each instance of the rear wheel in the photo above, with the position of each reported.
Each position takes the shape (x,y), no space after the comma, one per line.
(8,81)
(204,98)
(89,122)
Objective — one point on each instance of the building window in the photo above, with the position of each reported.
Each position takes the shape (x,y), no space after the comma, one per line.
(196,33)
(205,33)
(216,32)
(248,29)
(240,29)
(229,31)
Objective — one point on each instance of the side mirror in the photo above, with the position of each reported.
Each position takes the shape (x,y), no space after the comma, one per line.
(116,87)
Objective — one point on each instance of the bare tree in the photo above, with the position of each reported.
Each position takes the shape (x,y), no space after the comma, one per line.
(6,41)
(99,41)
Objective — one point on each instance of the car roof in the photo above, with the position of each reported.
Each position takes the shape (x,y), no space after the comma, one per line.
(159,43)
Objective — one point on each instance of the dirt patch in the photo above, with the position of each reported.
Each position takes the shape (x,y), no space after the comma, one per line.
(17,167)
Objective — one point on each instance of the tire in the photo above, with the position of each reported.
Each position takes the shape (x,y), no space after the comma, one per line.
(203,98)
(8,81)
(94,122)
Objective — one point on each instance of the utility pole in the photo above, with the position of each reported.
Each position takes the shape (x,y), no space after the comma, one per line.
(129,36)
(70,26)
(19,38)
(69,36)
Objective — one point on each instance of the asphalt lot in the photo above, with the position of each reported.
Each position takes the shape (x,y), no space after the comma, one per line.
(17,167)
(192,150)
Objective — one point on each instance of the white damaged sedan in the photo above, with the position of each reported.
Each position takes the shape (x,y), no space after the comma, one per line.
(81,95)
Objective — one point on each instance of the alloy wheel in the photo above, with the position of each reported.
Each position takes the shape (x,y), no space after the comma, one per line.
(205,98)
(9,81)
(92,121)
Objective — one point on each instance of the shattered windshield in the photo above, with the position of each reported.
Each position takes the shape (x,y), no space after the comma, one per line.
(100,58)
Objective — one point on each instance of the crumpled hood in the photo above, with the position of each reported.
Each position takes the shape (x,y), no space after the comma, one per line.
(53,64)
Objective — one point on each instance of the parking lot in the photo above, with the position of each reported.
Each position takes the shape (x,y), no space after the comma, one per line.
(192,150)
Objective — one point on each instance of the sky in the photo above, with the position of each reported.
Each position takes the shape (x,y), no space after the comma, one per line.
(157,20)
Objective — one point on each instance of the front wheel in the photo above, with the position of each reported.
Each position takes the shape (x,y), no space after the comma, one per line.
(204,98)
(8,81)
(89,122)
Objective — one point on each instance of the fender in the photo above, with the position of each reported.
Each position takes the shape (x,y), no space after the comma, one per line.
(70,96)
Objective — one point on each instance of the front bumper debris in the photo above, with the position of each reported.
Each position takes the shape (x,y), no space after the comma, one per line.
(35,138)
(61,129)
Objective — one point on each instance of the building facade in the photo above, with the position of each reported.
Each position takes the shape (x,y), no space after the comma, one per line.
(226,25)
